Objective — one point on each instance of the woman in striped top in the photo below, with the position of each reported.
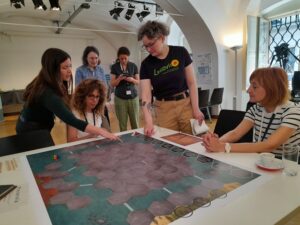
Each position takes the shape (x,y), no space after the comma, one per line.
(274,119)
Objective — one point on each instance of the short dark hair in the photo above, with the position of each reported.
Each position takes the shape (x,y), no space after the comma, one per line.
(153,29)
(123,51)
(86,51)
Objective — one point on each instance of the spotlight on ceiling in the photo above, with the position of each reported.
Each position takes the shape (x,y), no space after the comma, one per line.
(143,14)
(159,11)
(115,12)
(39,4)
(130,11)
(17,3)
(54,5)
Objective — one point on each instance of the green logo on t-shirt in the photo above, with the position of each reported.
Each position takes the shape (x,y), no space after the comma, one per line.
(168,68)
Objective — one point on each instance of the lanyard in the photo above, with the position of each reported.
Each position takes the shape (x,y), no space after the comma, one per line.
(269,124)
(94,119)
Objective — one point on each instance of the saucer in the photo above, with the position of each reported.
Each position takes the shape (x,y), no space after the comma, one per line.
(271,164)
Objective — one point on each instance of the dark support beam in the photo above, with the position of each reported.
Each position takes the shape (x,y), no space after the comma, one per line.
(72,16)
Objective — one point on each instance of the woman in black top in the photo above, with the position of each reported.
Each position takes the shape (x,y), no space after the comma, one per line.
(47,95)
(125,77)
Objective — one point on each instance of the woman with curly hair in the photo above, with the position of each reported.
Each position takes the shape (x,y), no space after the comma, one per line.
(88,104)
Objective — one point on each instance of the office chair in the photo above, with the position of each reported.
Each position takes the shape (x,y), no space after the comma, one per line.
(203,101)
(25,142)
(228,120)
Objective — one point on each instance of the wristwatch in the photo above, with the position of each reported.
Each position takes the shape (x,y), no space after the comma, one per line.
(227,147)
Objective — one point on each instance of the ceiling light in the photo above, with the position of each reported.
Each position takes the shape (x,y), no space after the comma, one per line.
(17,3)
(115,12)
(54,5)
(130,11)
(159,11)
(143,14)
(39,4)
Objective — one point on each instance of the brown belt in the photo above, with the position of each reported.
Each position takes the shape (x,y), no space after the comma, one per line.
(174,97)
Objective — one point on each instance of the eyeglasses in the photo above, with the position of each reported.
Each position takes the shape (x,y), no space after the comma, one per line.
(93,96)
(150,45)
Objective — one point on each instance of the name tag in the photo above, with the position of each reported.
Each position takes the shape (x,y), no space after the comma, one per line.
(128,92)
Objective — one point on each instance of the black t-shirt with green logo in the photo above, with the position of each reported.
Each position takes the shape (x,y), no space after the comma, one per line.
(167,75)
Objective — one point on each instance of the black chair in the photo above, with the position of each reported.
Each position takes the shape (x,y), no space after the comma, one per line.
(25,142)
(216,97)
(203,101)
(228,120)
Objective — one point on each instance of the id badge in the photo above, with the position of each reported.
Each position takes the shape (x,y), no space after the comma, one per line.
(128,92)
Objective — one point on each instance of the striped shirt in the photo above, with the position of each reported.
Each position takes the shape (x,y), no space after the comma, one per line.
(287,115)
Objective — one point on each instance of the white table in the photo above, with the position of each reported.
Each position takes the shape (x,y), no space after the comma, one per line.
(265,202)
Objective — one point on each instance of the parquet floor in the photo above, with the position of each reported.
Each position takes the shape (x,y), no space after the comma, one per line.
(7,127)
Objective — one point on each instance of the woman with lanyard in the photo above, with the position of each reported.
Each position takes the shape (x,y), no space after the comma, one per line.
(125,77)
(91,68)
(88,104)
(274,119)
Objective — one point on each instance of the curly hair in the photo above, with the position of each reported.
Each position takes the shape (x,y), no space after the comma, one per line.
(153,29)
(275,82)
(85,88)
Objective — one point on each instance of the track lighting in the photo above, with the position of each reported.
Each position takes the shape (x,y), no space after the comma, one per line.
(143,14)
(130,11)
(17,3)
(39,4)
(54,5)
(115,12)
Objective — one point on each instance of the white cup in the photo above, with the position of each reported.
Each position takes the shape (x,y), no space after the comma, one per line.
(266,158)
(290,155)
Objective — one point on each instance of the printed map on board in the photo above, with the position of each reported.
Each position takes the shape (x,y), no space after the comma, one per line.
(140,181)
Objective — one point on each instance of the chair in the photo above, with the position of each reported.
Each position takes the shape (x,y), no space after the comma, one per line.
(203,98)
(216,97)
(25,142)
(228,120)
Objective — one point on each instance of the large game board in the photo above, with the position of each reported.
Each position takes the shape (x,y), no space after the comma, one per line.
(137,182)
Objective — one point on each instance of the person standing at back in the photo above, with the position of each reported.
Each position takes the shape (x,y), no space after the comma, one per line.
(91,68)
(125,77)
(168,70)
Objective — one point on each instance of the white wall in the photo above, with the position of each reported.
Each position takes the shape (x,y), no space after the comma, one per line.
(20,54)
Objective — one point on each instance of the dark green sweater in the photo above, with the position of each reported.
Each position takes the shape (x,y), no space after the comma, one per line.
(43,112)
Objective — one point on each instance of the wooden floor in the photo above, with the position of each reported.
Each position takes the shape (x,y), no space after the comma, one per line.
(7,127)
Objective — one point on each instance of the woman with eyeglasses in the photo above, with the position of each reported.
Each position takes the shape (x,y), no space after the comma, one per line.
(168,73)
(88,104)
(125,78)
(91,68)
(48,96)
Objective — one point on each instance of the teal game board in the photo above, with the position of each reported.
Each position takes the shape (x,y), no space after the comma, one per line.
(139,181)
